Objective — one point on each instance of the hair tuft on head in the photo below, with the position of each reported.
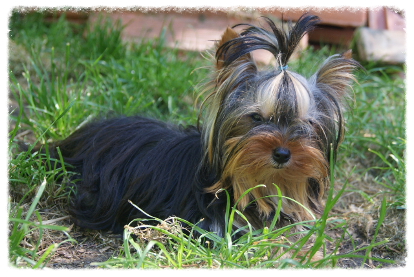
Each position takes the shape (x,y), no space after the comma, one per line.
(277,41)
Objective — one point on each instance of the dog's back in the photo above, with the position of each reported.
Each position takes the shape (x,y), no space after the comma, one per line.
(132,158)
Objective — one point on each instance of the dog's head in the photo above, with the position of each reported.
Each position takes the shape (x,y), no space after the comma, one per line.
(273,126)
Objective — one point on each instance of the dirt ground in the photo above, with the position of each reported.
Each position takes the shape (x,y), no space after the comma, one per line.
(92,247)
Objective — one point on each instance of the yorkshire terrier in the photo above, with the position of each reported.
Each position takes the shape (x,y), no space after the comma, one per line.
(258,127)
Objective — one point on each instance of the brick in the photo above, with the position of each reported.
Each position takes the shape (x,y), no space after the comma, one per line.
(187,31)
(376,18)
(394,21)
(384,18)
(335,17)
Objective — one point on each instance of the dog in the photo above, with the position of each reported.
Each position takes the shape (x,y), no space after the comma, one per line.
(256,127)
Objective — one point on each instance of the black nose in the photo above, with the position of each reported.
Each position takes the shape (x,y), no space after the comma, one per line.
(281,155)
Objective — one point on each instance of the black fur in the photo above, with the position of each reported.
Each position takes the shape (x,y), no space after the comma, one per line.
(148,162)
(286,42)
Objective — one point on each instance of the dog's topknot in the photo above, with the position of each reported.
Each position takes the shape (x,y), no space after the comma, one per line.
(279,42)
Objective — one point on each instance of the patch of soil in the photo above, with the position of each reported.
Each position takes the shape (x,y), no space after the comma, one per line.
(359,240)
(76,248)
(92,247)
(81,256)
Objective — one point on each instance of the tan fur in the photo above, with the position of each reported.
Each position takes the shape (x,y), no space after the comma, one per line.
(347,54)
(337,74)
(228,35)
(223,77)
(302,97)
(267,95)
(252,165)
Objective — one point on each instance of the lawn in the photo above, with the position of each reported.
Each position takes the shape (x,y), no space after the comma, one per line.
(63,74)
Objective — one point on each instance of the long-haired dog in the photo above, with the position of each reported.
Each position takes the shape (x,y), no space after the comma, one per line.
(258,127)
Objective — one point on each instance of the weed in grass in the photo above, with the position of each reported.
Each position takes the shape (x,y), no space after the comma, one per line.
(25,236)
(103,40)
(393,178)
(47,99)
(26,171)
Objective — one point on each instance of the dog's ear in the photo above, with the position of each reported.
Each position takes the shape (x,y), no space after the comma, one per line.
(336,73)
(333,79)
(347,54)
(229,45)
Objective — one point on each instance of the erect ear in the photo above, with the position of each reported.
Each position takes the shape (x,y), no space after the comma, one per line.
(347,54)
(228,35)
(227,46)
(336,74)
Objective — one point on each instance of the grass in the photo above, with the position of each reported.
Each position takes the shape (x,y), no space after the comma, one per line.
(59,78)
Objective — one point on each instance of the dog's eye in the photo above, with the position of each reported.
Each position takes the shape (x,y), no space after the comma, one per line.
(314,124)
(256,117)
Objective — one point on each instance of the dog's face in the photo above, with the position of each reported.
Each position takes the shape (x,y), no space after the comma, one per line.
(273,126)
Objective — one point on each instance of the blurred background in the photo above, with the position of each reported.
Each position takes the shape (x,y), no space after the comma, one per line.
(378,32)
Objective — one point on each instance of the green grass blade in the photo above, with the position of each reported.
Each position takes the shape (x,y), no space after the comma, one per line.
(36,199)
